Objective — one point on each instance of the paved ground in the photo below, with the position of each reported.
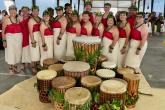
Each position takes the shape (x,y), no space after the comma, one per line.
(153,67)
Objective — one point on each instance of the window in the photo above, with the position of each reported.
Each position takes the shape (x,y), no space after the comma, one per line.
(148,6)
(141,5)
(75,5)
(44,4)
(81,6)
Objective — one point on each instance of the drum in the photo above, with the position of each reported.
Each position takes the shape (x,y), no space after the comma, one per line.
(91,82)
(48,62)
(86,49)
(123,71)
(109,65)
(61,84)
(66,59)
(77,98)
(76,69)
(58,68)
(132,90)
(105,74)
(113,89)
(44,79)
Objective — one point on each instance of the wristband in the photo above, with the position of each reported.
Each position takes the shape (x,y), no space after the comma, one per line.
(4,40)
(44,45)
(138,48)
(59,38)
(111,47)
(124,47)
(33,42)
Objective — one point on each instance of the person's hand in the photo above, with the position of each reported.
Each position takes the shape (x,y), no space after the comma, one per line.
(4,44)
(137,52)
(123,50)
(110,50)
(33,44)
(58,42)
(45,48)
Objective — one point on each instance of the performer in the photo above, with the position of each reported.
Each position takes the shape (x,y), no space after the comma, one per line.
(124,33)
(98,27)
(47,37)
(73,30)
(59,28)
(132,16)
(88,7)
(35,37)
(138,43)
(51,11)
(107,7)
(86,28)
(68,11)
(12,39)
(110,40)
(26,60)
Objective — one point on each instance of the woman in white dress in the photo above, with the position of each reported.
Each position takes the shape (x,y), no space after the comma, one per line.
(124,33)
(12,39)
(110,40)
(35,37)
(73,30)
(47,37)
(59,33)
(138,43)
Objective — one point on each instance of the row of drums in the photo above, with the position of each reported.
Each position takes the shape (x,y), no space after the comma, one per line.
(79,98)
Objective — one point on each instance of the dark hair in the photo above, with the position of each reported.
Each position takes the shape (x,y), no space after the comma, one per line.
(46,12)
(107,4)
(123,12)
(88,3)
(67,5)
(4,11)
(74,12)
(86,12)
(141,13)
(51,11)
(113,17)
(26,7)
(35,7)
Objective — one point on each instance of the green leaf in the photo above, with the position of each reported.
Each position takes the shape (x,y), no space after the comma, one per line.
(55,95)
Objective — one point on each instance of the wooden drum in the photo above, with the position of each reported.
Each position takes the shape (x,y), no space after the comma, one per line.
(91,82)
(113,89)
(87,47)
(48,62)
(133,85)
(123,71)
(61,84)
(105,74)
(76,69)
(58,68)
(77,98)
(44,79)
(109,65)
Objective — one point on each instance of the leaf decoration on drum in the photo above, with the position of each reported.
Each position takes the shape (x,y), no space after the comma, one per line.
(93,57)
(55,95)
(79,54)
(131,100)
(114,105)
